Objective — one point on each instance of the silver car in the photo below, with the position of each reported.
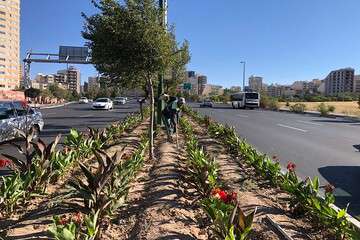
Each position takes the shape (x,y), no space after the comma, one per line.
(15,115)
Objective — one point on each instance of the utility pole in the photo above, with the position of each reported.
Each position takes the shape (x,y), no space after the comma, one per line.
(160,106)
(244,68)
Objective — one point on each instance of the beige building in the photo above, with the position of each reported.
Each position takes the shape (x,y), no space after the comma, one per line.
(9,44)
(339,81)
(71,77)
(256,83)
(357,83)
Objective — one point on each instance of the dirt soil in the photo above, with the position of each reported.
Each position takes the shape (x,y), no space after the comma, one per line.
(32,221)
(158,206)
(253,191)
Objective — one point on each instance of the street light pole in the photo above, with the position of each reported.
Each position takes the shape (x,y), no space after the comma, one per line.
(244,67)
(161,104)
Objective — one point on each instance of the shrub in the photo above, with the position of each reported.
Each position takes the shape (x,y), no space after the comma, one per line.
(325,109)
(298,108)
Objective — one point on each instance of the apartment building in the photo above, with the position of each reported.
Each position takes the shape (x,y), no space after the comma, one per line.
(357,83)
(71,77)
(202,81)
(339,81)
(9,44)
(255,83)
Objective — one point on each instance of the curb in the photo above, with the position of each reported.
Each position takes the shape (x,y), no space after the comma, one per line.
(331,115)
(56,106)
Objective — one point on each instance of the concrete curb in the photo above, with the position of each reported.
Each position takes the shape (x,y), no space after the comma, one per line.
(56,106)
(331,115)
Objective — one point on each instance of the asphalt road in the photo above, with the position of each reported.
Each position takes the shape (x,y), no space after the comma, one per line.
(79,116)
(324,147)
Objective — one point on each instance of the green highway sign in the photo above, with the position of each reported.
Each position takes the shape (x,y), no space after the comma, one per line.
(187,86)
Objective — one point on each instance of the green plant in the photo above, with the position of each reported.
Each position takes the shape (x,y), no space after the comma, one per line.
(93,190)
(11,192)
(79,143)
(75,227)
(298,108)
(325,109)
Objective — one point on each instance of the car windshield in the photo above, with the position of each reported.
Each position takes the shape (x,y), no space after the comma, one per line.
(120,98)
(84,98)
(102,100)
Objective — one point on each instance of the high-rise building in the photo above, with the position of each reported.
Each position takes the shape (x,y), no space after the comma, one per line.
(339,81)
(72,78)
(357,83)
(9,44)
(255,83)
(93,82)
(202,81)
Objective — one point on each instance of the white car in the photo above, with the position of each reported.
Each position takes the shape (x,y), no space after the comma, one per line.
(83,100)
(103,103)
(120,101)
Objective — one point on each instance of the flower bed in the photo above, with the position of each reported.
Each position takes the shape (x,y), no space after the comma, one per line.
(45,165)
(305,193)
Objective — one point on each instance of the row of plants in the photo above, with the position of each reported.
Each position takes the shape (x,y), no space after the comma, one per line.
(306,199)
(323,108)
(102,191)
(228,219)
(40,164)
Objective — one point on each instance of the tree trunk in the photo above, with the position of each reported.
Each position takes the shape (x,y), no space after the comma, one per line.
(151,128)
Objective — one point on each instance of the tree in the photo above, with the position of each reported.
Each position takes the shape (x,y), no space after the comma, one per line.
(130,46)
(58,92)
(359,101)
(32,93)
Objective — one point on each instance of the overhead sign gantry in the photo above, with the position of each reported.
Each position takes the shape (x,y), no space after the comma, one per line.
(67,55)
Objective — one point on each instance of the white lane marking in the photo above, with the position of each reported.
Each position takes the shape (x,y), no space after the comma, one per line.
(317,124)
(290,127)
(239,115)
(85,116)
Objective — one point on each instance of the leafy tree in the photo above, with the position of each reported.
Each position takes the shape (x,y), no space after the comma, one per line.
(32,93)
(130,46)
(58,92)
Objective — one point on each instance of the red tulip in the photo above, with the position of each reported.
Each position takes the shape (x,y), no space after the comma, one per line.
(4,163)
(291,167)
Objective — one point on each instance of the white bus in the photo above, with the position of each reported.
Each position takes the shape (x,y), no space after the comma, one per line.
(245,100)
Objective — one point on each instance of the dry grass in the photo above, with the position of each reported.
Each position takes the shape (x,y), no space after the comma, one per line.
(348,108)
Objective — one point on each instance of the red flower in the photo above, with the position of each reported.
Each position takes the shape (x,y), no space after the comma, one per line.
(232,197)
(4,163)
(223,196)
(77,218)
(291,167)
(215,191)
(329,188)
(63,220)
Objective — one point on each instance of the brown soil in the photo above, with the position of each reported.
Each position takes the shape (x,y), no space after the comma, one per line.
(33,220)
(253,192)
(158,207)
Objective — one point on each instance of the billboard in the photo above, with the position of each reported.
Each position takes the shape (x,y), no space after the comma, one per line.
(73,53)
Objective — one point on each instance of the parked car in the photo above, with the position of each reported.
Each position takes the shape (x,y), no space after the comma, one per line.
(16,115)
(103,103)
(83,100)
(120,101)
(207,103)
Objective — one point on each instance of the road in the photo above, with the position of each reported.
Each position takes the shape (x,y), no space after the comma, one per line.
(324,147)
(79,116)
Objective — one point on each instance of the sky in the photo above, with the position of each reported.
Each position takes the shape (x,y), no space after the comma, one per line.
(281,40)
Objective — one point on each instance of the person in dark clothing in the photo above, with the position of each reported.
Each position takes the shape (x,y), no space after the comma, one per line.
(171,113)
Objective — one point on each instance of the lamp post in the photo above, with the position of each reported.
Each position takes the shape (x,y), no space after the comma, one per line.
(161,104)
(244,67)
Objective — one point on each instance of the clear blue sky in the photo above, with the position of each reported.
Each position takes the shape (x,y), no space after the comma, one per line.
(281,40)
